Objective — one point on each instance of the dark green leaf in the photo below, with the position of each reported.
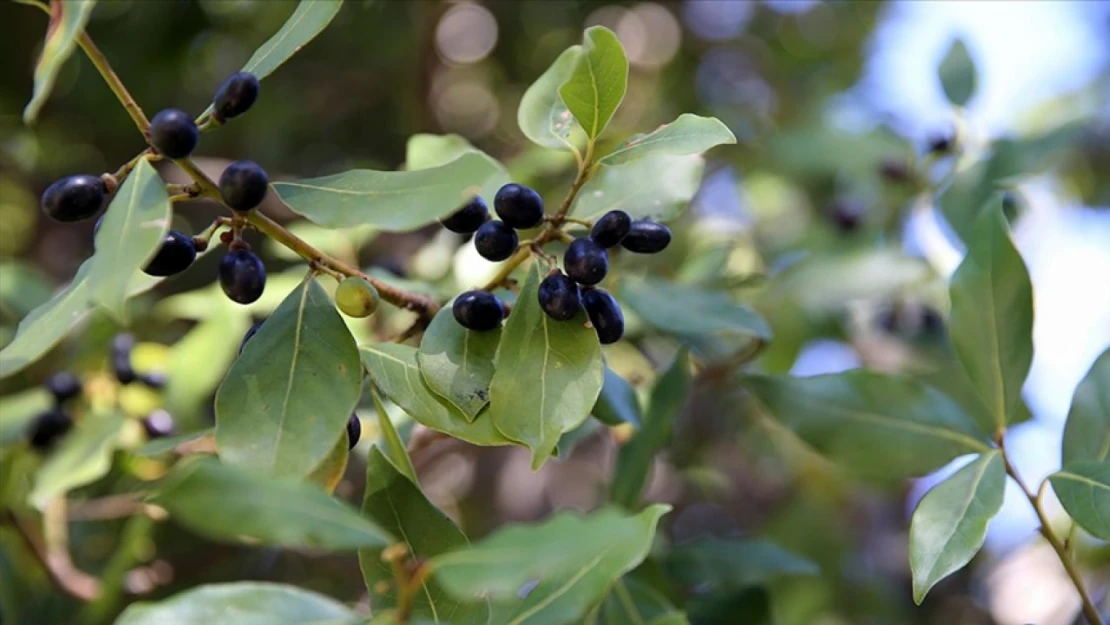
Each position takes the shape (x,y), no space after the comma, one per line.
(617,402)
(631,602)
(83,456)
(48,324)
(950,523)
(1087,432)
(687,310)
(1084,490)
(715,564)
(251,603)
(991,323)
(395,447)
(291,392)
(655,187)
(399,506)
(750,606)
(542,115)
(67,24)
(689,134)
(957,74)
(596,86)
(879,426)
(225,503)
(549,374)
(635,458)
(457,364)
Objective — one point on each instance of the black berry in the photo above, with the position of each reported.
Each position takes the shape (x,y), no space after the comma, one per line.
(518,206)
(158,424)
(248,335)
(478,310)
(468,218)
(235,96)
(586,262)
(605,315)
(845,217)
(242,276)
(495,240)
(122,345)
(63,385)
(176,254)
(611,228)
(173,133)
(47,428)
(559,297)
(73,198)
(354,431)
(940,144)
(243,185)
(647,237)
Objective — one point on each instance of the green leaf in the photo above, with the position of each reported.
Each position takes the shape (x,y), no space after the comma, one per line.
(689,134)
(48,324)
(159,446)
(251,603)
(398,505)
(1087,432)
(574,559)
(292,390)
(617,402)
(879,426)
(829,281)
(133,229)
(329,472)
(635,458)
(957,74)
(542,115)
(716,564)
(222,502)
(424,151)
(632,602)
(84,456)
(1084,490)
(19,409)
(67,24)
(991,324)
(596,87)
(686,310)
(199,361)
(457,364)
(950,523)
(394,369)
(390,200)
(655,187)
(549,374)
(395,447)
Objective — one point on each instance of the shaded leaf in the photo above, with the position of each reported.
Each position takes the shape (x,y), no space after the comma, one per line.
(542,115)
(18,410)
(395,448)
(631,602)
(957,74)
(457,364)
(750,606)
(617,402)
(158,446)
(655,187)
(1084,490)
(67,23)
(950,523)
(48,324)
(715,564)
(1087,432)
(687,310)
(83,456)
(596,86)
(251,603)
(689,134)
(330,471)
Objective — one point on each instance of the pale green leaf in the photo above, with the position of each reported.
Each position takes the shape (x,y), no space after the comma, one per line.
(199,361)
(48,324)
(689,134)
(424,151)
(1087,432)
(18,410)
(1084,490)
(250,603)
(67,24)
(655,187)
(457,364)
(716,564)
(83,456)
(957,74)
(686,310)
(542,115)
(596,86)
(159,446)
(617,402)
(950,523)
(395,447)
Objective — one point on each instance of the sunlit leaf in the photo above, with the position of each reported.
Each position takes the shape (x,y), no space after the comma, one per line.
(655,187)
(542,116)
(67,23)
(689,134)
(1084,490)
(200,360)
(48,324)
(251,603)
(1087,432)
(83,456)
(424,151)
(596,86)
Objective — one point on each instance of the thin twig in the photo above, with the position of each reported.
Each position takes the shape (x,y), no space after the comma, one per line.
(59,567)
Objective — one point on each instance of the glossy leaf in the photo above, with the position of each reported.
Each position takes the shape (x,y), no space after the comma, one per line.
(48,324)
(292,390)
(542,115)
(457,364)
(424,151)
(1087,432)
(329,472)
(617,402)
(991,324)
(223,502)
(395,448)
(631,602)
(635,458)
(596,86)
(390,200)
(878,426)
(689,134)
(655,187)
(397,504)
(394,369)
(687,310)
(716,564)
(574,559)
(1084,490)
(251,603)
(957,74)
(132,231)
(950,523)
(549,374)
(83,456)
(67,23)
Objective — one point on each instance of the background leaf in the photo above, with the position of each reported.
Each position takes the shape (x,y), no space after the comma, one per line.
(457,364)
(201,358)
(1087,432)
(686,310)
(689,134)
(252,603)
(1084,490)
(542,115)
(596,87)
(45,326)
(67,23)
(18,410)
(83,456)
(617,402)
(549,374)
(631,602)
(715,564)
(329,472)
(425,151)
(655,187)
(950,523)
(292,390)
(957,74)
(395,448)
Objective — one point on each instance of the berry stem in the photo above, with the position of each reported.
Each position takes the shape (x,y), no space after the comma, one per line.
(585,168)
(510,265)
(114,83)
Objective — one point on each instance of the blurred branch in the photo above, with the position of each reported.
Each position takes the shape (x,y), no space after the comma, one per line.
(56,561)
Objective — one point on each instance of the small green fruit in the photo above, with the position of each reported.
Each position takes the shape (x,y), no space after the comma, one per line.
(356,297)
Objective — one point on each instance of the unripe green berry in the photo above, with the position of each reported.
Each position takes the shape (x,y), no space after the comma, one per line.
(356,297)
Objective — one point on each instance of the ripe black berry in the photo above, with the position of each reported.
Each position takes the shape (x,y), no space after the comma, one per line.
(176,254)
(647,237)
(611,228)
(242,276)
(158,424)
(73,198)
(47,428)
(354,431)
(559,298)
(243,185)
(248,335)
(518,206)
(478,310)
(495,240)
(235,96)
(63,385)
(173,133)
(605,315)
(122,345)
(468,218)
(586,262)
